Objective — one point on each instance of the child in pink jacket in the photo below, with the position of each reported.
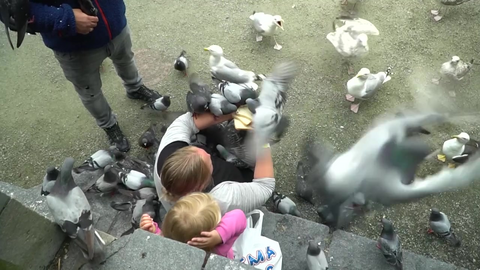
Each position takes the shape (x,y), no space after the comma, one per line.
(196,219)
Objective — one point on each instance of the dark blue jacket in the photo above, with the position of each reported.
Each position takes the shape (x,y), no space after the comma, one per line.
(56,23)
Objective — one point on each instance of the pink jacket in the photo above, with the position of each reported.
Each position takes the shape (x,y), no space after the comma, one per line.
(233,224)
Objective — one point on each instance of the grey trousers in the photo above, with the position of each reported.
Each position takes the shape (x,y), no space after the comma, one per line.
(82,69)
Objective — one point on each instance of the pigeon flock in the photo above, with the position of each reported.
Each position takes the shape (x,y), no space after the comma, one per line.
(342,183)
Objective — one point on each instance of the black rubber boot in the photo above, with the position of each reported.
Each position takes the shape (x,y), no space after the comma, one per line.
(116,137)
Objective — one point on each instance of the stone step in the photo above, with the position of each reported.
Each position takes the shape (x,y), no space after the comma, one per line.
(29,239)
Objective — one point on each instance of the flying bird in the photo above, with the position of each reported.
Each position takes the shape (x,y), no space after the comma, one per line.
(382,166)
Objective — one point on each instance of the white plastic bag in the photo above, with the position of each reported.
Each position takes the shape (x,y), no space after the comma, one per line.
(253,249)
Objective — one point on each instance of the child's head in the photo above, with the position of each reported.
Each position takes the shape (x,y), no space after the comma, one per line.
(190,215)
(189,169)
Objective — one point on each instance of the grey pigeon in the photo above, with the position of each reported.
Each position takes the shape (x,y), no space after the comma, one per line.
(439,225)
(284,204)
(160,104)
(140,194)
(316,259)
(302,188)
(390,245)
(199,96)
(49,180)
(108,182)
(415,130)
(148,138)
(125,163)
(135,180)
(236,93)
(229,157)
(268,119)
(148,206)
(71,211)
(181,63)
(219,105)
(236,142)
(98,160)
(387,176)
(19,10)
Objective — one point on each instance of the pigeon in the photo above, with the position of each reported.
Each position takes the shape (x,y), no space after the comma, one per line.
(316,259)
(266,25)
(446,5)
(19,10)
(98,160)
(148,206)
(302,188)
(455,69)
(160,104)
(125,163)
(71,211)
(140,194)
(439,225)
(364,85)
(268,119)
(382,164)
(108,182)
(225,70)
(351,39)
(199,96)
(135,180)
(390,245)
(219,105)
(458,149)
(284,204)
(49,180)
(235,143)
(148,138)
(181,63)
(237,93)
(415,130)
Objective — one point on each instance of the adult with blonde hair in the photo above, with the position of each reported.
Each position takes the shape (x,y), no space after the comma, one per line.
(196,220)
(181,168)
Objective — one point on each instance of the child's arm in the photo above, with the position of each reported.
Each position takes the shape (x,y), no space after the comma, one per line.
(233,224)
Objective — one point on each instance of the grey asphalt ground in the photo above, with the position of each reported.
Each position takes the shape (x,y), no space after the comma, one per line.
(43,121)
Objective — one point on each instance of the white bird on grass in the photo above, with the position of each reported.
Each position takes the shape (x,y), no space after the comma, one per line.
(266,25)
(364,85)
(351,39)
(225,70)
(458,149)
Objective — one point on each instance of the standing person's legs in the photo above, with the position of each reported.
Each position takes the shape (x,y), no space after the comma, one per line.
(120,51)
(82,69)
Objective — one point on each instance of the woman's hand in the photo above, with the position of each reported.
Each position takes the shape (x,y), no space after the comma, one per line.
(146,223)
(209,240)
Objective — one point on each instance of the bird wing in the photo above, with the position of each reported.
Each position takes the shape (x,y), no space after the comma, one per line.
(198,86)
(228,71)
(372,84)
(360,26)
(389,250)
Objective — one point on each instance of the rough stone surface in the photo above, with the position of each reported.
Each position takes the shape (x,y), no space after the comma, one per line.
(216,262)
(349,251)
(27,239)
(293,235)
(144,250)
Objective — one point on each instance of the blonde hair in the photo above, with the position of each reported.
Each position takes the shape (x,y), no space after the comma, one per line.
(190,215)
(183,172)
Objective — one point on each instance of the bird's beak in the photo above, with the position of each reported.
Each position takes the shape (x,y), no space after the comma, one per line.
(206,49)
(280,24)
(455,136)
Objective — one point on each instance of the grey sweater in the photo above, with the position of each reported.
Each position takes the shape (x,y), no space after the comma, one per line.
(230,195)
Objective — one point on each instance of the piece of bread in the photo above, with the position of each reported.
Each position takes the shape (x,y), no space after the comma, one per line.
(243,118)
